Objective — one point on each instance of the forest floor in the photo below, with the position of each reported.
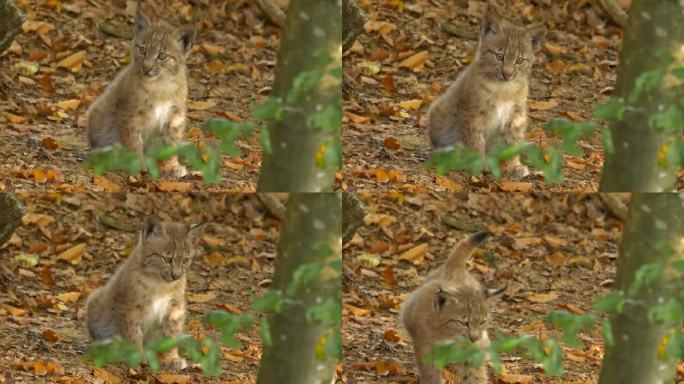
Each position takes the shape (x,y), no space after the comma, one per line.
(64,251)
(551,251)
(405,60)
(63,61)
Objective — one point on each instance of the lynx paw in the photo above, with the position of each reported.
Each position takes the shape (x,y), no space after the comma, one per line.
(518,171)
(175,364)
(177,171)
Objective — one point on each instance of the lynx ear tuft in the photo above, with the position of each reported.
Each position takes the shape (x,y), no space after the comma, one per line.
(536,34)
(188,34)
(479,237)
(495,292)
(491,22)
(152,227)
(142,22)
(195,231)
(440,299)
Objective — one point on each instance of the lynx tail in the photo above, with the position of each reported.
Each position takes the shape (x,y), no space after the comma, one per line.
(459,256)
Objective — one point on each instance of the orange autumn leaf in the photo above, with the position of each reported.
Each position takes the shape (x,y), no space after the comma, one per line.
(415,255)
(415,62)
(73,62)
(73,255)
(49,143)
(173,186)
(516,186)
(167,378)
(106,184)
(392,336)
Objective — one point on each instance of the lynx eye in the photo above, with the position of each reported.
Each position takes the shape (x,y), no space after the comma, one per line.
(142,50)
(162,56)
(499,56)
(521,61)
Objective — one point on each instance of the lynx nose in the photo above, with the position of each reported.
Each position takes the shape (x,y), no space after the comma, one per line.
(474,334)
(507,75)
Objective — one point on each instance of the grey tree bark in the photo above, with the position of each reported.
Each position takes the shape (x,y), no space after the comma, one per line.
(295,163)
(353,213)
(633,167)
(11,20)
(11,212)
(295,356)
(653,220)
(353,20)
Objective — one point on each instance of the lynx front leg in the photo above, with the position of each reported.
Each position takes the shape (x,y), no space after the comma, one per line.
(173,327)
(427,372)
(173,135)
(129,329)
(514,133)
(131,133)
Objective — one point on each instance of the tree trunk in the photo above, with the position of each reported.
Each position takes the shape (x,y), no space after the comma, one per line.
(11,20)
(298,160)
(633,167)
(296,355)
(653,220)
(11,212)
(353,213)
(353,20)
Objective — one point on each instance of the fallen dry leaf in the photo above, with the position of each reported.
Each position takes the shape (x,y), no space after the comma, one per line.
(415,62)
(542,297)
(167,378)
(415,255)
(201,297)
(73,255)
(73,62)
(516,186)
(173,186)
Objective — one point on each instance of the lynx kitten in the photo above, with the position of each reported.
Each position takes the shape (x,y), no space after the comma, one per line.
(487,104)
(146,294)
(449,304)
(147,99)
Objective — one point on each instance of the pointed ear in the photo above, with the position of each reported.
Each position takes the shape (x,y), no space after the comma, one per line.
(536,34)
(491,22)
(195,231)
(152,227)
(187,36)
(495,293)
(440,300)
(142,22)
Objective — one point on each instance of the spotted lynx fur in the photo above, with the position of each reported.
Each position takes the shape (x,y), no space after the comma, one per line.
(487,104)
(146,102)
(450,303)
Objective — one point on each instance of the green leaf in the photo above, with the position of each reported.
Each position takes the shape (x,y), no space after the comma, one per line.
(645,83)
(330,312)
(607,332)
(678,72)
(571,325)
(613,109)
(672,119)
(271,109)
(613,301)
(608,140)
(672,312)
(265,332)
(304,275)
(271,301)
(675,154)
(646,274)
(329,120)
(265,137)
(229,324)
